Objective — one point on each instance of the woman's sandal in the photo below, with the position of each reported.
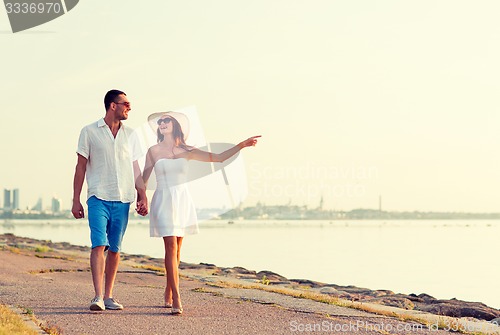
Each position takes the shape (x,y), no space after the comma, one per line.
(167,305)
(177,310)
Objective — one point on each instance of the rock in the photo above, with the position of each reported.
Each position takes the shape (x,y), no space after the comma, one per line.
(227,270)
(246,277)
(382,293)
(459,309)
(426,297)
(395,301)
(283,282)
(241,270)
(270,276)
(208,265)
(307,282)
(197,266)
(336,293)
(399,302)
(329,290)
(415,298)
(358,291)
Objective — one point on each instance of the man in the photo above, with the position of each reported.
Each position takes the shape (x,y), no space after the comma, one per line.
(107,155)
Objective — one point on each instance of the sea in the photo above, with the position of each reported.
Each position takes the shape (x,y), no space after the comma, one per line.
(443,258)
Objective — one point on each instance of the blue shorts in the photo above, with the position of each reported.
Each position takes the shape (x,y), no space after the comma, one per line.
(107,221)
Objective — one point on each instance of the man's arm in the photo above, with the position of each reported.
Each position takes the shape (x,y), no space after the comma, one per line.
(80,170)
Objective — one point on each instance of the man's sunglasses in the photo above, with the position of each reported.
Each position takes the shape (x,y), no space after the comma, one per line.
(126,104)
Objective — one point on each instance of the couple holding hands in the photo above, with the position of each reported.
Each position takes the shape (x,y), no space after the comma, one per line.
(108,157)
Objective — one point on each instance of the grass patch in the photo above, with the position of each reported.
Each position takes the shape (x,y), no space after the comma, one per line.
(264,280)
(51,329)
(42,248)
(12,323)
(28,311)
(14,250)
(151,286)
(204,290)
(285,291)
(35,272)
(151,268)
(64,258)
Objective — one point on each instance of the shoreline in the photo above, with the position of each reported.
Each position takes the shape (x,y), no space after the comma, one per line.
(44,266)
(421,303)
(344,276)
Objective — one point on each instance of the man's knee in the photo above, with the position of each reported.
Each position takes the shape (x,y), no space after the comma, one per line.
(113,253)
(98,250)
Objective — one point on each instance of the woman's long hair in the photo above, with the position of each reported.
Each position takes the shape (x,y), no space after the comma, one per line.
(177,134)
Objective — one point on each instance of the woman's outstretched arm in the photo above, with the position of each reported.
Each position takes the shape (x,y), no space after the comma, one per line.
(206,156)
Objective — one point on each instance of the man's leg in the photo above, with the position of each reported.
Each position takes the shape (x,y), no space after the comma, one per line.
(112,262)
(117,227)
(98,220)
(97,269)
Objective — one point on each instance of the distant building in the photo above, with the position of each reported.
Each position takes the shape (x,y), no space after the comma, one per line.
(56,205)
(10,199)
(15,199)
(7,204)
(39,206)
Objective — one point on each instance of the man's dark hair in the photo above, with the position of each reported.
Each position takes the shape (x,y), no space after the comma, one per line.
(110,97)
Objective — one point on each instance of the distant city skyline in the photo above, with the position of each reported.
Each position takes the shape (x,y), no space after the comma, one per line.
(11,200)
(40,200)
(57,205)
(265,212)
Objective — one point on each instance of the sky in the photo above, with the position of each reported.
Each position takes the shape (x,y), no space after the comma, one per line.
(355,100)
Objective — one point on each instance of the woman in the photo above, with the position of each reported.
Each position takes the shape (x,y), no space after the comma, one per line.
(172,212)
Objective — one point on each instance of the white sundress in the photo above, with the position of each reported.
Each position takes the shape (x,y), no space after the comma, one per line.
(172,211)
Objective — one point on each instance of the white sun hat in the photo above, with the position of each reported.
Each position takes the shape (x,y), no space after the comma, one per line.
(179,117)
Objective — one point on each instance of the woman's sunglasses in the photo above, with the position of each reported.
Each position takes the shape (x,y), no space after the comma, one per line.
(166,120)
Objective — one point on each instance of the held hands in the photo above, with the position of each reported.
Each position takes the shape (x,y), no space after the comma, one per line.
(252,141)
(142,207)
(142,204)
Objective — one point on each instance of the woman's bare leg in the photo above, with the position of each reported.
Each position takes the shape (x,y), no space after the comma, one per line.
(179,245)
(172,293)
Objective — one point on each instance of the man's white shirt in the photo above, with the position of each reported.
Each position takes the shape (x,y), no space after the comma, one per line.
(110,172)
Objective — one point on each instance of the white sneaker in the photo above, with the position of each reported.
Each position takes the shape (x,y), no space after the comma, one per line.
(97,304)
(111,303)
